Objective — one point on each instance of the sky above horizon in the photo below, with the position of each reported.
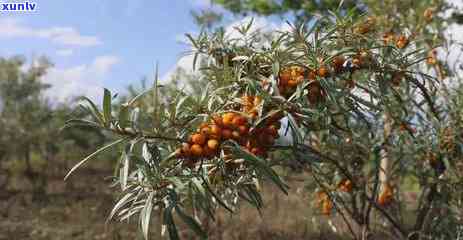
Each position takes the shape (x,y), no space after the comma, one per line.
(110,43)
(106,43)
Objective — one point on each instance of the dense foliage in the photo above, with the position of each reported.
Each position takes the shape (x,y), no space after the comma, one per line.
(363,99)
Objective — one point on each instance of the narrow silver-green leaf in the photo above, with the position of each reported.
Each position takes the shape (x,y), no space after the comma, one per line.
(119,204)
(107,107)
(146,215)
(93,155)
(191,222)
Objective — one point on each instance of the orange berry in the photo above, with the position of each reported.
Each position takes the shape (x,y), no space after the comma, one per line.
(243,130)
(217,120)
(327,205)
(292,83)
(386,195)
(254,114)
(428,14)
(312,75)
(257,151)
(356,62)
(345,185)
(213,144)
(235,135)
(315,93)
(196,150)
(205,130)
(338,63)
(215,132)
(321,196)
(203,125)
(257,101)
(323,71)
(186,149)
(272,130)
(239,120)
(362,29)
(284,77)
(198,138)
(268,140)
(402,42)
(226,134)
(227,119)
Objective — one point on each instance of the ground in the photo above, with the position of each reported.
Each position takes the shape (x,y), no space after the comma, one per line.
(78,210)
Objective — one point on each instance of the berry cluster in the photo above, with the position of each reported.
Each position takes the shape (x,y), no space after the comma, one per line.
(206,141)
(289,79)
(292,76)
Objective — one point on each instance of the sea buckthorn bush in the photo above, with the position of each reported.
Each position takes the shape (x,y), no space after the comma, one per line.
(360,102)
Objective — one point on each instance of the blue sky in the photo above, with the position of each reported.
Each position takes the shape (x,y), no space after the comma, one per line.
(107,43)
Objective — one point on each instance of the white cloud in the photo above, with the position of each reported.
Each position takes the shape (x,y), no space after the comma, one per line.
(260,24)
(201,3)
(12,28)
(64,52)
(103,64)
(85,79)
(185,63)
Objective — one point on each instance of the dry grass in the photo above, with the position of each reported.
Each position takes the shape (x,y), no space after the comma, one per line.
(80,213)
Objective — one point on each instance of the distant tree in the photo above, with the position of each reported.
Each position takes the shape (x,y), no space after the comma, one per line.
(301,10)
(24,113)
(30,124)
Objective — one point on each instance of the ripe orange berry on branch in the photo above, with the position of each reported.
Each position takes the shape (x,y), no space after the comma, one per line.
(338,63)
(402,42)
(289,78)
(386,196)
(428,14)
(345,185)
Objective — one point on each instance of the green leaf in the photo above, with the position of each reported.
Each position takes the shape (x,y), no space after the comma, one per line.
(107,107)
(125,161)
(192,40)
(79,122)
(124,200)
(124,116)
(156,115)
(94,110)
(145,215)
(191,222)
(169,222)
(199,186)
(217,198)
(261,165)
(93,155)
